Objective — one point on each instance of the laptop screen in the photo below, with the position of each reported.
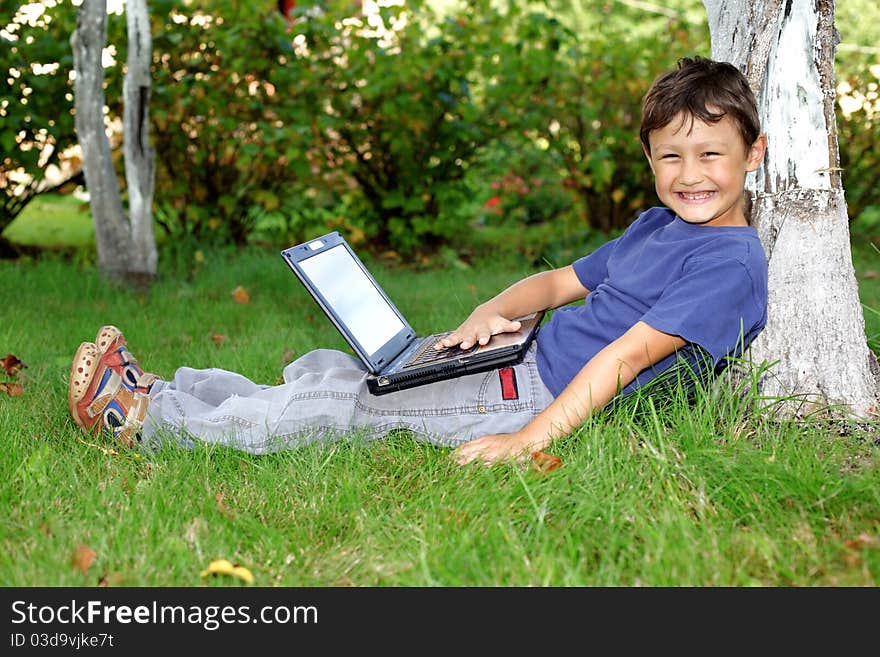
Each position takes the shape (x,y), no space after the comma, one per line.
(353,296)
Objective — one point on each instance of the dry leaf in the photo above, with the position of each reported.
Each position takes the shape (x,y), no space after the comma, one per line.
(240,295)
(288,356)
(218,338)
(226,567)
(852,560)
(112,579)
(83,557)
(851,556)
(862,541)
(12,389)
(544,463)
(11,364)
(871,273)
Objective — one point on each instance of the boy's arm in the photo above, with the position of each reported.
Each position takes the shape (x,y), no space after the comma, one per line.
(593,387)
(541,291)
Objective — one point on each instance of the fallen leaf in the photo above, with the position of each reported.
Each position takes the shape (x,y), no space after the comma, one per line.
(852,560)
(871,273)
(851,556)
(218,338)
(243,574)
(83,557)
(11,364)
(111,579)
(240,295)
(862,541)
(226,567)
(288,356)
(12,389)
(544,463)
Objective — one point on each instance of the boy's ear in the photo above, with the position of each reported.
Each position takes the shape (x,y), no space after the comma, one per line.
(756,152)
(648,156)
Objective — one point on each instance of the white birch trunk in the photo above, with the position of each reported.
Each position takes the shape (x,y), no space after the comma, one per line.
(140,164)
(815,332)
(126,247)
(111,228)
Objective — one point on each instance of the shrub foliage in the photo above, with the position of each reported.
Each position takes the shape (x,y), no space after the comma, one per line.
(406,127)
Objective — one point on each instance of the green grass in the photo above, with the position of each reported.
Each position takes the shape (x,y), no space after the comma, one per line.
(709,494)
(53,221)
(866,259)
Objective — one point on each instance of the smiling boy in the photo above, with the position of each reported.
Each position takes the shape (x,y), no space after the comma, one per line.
(687,278)
(692,273)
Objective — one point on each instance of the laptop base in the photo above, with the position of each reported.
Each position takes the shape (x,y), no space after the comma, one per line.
(382,384)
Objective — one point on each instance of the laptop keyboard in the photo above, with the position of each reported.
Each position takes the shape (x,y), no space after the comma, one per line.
(427,353)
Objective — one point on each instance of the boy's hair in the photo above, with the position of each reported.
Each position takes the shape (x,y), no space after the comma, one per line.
(701,89)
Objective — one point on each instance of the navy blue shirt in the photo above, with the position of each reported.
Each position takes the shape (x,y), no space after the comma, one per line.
(706,284)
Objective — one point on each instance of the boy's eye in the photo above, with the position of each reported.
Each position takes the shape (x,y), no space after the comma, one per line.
(668,156)
(711,154)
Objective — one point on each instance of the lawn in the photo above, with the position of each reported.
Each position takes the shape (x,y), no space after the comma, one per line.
(714,493)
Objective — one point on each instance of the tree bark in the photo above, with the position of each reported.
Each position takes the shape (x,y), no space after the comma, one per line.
(815,333)
(111,230)
(140,163)
(126,249)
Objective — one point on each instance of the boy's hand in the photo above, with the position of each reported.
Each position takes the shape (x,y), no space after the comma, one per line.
(479,329)
(499,447)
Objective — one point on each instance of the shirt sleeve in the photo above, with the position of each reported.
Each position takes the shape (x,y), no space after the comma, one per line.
(592,269)
(714,305)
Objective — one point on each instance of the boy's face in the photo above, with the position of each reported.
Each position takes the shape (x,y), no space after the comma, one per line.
(700,169)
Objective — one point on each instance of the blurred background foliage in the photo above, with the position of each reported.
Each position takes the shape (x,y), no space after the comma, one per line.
(427,129)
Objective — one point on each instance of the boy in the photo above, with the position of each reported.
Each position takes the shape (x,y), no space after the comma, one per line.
(688,276)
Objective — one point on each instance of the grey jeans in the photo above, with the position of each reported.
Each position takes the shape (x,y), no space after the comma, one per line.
(325,397)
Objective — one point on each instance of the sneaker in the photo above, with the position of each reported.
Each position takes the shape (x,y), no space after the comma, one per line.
(111,342)
(98,399)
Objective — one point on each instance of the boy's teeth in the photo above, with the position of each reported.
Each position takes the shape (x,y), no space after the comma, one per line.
(698,196)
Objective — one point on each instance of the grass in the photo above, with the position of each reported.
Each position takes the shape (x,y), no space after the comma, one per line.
(53,221)
(709,494)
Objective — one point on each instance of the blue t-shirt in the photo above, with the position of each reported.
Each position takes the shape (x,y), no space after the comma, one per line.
(706,284)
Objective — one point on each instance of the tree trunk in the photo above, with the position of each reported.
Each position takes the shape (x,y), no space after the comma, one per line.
(815,332)
(140,163)
(126,249)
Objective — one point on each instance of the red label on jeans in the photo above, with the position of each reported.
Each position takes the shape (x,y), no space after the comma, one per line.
(508,383)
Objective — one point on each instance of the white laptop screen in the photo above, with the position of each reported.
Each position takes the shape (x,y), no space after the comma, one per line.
(354,298)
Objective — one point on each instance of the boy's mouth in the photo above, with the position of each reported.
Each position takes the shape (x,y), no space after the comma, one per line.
(695,197)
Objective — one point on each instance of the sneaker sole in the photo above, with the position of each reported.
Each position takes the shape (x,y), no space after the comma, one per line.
(107,336)
(85,362)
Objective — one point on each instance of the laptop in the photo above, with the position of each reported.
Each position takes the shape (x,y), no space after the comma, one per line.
(395,356)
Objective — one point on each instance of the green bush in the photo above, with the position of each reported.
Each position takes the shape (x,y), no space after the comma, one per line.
(36,124)
(225,115)
(409,133)
(578,161)
(590,112)
(405,113)
(858,133)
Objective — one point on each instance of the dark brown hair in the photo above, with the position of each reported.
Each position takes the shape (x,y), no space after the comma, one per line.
(701,89)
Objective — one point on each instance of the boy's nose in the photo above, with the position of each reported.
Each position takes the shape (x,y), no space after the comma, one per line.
(690,172)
